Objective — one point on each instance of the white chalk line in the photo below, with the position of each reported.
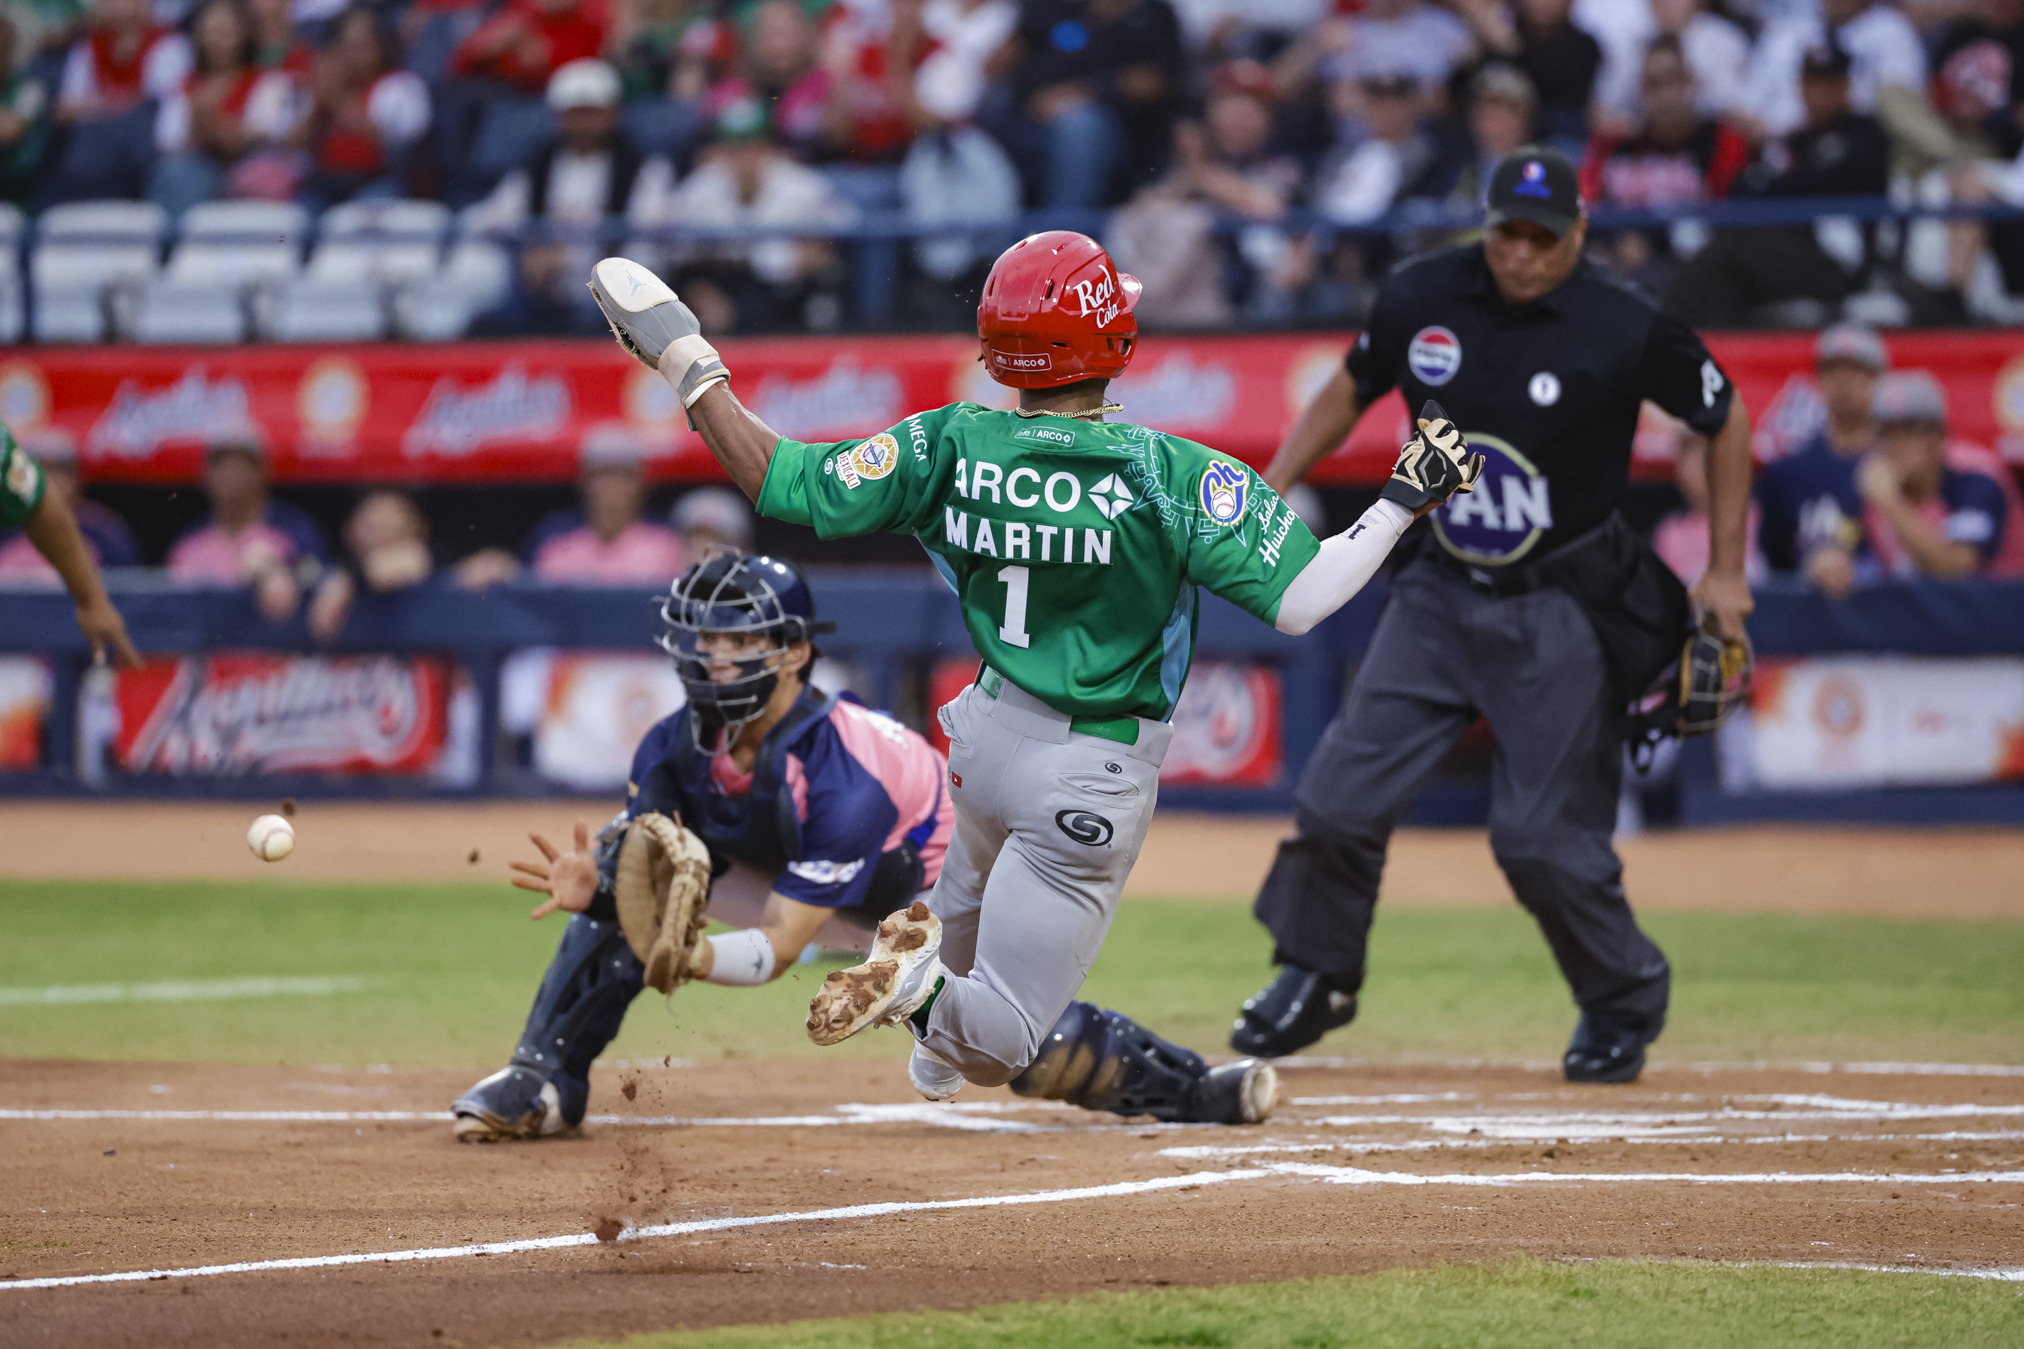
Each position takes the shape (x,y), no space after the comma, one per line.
(979,1118)
(1337,1175)
(1211,1152)
(185,990)
(1664,1066)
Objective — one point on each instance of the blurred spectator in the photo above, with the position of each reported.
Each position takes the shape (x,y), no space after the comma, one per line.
(1925,517)
(226,111)
(527,41)
(106,536)
(386,541)
(1368,177)
(1561,60)
(866,117)
(1978,69)
(1501,109)
(1392,37)
(961,37)
(1088,108)
(744,182)
(1675,158)
(1839,153)
(1811,510)
(1222,164)
(583,176)
(105,103)
(25,108)
(248,538)
(780,70)
(712,517)
(658,40)
(368,111)
(953,170)
(280,47)
(1681,537)
(1717,51)
(606,542)
(1887,67)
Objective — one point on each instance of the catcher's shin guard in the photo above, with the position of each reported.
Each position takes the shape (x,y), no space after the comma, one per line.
(590,983)
(1102,1060)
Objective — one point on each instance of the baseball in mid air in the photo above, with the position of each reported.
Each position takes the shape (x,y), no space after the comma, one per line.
(271,838)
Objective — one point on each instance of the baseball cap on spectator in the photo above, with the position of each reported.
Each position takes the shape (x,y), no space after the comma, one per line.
(1535,183)
(1908,397)
(1389,84)
(1498,82)
(1854,343)
(742,120)
(611,446)
(1244,76)
(1824,61)
(584,83)
(716,512)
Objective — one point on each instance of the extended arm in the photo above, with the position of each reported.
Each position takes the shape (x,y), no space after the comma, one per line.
(53,530)
(1929,547)
(1723,593)
(1324,424)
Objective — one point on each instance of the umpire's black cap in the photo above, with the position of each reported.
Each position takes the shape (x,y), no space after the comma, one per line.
(1535,183)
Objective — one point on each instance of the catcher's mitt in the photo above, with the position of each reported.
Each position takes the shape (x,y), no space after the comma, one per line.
(1693,696)
(662,884)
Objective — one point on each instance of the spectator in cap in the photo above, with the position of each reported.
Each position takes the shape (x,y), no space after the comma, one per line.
(606,541)
(1886,66)
(1925,517)
(248,538)
(105,533)
(1367,178)
(712,517)
(1498,118)
(561,197)
(745,182)
(1786,273)
(1811,512)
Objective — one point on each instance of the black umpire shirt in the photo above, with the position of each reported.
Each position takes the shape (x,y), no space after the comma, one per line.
(1548,391)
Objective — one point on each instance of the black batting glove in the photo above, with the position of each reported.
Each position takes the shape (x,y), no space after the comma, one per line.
(1434,465)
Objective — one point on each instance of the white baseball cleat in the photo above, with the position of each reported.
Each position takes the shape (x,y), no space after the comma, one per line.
(931,1076)
(903,971)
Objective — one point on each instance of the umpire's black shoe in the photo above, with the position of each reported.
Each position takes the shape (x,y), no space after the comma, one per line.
(1605,1050)
(1293,1011)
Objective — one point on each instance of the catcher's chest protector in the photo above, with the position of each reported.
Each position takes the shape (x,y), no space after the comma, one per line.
(760,828)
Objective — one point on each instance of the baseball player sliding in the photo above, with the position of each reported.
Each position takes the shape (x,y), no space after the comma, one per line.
(1076,547)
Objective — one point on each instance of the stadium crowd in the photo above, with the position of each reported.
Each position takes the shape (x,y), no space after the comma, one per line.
(1261,160)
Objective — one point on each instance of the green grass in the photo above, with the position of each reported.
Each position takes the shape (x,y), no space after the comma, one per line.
(1512,1304)
(451,970)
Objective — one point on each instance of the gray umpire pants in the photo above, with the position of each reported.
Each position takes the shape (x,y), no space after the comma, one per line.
(1048,824)
(1444,652)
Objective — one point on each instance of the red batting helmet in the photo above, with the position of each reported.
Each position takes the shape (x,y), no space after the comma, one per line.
(1056,310)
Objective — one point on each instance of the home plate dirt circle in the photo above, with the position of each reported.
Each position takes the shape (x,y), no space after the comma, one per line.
(334,1206)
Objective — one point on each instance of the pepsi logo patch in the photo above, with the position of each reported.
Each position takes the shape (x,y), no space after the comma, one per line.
(1226,489)
(1435,355)
(1532,180)
(876,457)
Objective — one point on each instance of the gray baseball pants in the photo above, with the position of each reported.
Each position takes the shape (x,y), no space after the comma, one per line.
(1048,824)
(1443,652)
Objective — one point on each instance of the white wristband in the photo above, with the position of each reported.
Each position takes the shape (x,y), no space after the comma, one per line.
(741,959)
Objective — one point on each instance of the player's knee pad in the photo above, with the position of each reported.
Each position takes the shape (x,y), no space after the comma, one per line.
(590,983)
(1103,1060)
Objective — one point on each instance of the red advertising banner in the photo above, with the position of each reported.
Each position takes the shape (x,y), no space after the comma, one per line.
(1227,727)
(232,715)
(468,412)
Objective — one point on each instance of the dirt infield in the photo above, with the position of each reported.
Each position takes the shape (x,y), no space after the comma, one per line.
(1963,873)
(723,1180)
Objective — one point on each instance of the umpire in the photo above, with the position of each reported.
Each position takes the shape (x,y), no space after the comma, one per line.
(1529,601)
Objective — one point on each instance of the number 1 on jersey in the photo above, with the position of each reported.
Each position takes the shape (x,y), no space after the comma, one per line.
(1013,633)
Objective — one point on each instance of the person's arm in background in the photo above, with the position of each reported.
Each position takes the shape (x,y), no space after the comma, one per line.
(1723,592)
(54,532)
(1324,424)
(1926,543)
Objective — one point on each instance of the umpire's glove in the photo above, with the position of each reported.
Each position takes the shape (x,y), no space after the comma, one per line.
(1434,465)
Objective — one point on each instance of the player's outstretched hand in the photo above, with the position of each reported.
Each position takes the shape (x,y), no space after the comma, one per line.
(569,879)
(1434,465)
(651,322)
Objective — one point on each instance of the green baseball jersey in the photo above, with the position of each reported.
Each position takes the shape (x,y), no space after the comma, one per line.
(21,482)
(1075,547)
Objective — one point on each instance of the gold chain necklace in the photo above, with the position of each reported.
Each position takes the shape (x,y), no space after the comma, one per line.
(1090,413)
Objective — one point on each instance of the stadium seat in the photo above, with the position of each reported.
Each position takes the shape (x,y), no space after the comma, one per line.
(380,242)
(176,309)
(82,249)
(237,242)
(477,275)
(11,227)
(310,309)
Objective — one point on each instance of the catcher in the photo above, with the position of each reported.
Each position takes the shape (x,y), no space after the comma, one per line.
(791,815)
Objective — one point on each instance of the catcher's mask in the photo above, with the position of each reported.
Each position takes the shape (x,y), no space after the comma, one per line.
(729,622)
(1694,695)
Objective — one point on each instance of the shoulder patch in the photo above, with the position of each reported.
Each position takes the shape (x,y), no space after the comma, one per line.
(1226,490)
(21,474)
(875,458)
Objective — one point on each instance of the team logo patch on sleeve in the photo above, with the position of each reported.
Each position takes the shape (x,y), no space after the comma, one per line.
(875,458)
(1226,489)
(1435,354)
(21,476)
